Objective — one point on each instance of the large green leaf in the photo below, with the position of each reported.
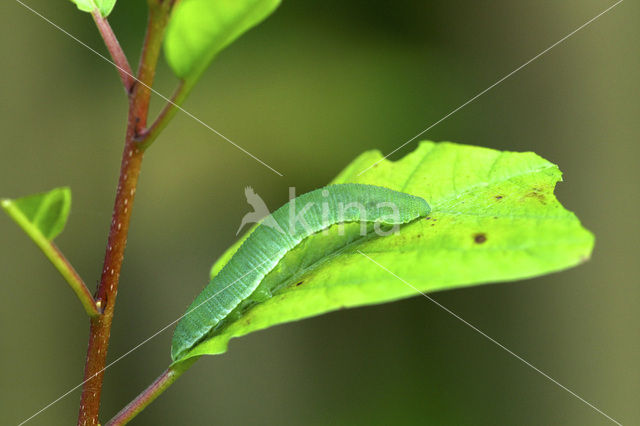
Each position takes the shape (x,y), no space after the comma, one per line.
(199,29)
(41,215)
(494,218)
(104,6)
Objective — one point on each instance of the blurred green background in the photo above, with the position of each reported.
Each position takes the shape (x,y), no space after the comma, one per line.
(307,91)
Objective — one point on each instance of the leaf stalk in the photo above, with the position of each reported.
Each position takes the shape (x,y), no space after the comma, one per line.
(154,390)
(59,261)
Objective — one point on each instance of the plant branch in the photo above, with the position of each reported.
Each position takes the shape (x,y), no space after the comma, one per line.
(147,396)
(100,330)
(120,59)
(150,134)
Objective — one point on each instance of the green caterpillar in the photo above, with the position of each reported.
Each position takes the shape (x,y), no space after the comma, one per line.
(287,227)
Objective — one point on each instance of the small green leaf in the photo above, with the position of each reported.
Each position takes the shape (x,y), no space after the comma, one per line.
(42,214)
(104,6)
(43,217)
(199,29)
(494,218)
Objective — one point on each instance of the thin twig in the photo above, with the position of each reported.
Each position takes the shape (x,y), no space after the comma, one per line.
(150,134)
(91,306)
(120,59)
(154,390)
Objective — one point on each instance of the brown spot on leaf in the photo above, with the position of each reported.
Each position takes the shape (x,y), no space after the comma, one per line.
(538,195)
(499,197)
(299,283)
(480,238)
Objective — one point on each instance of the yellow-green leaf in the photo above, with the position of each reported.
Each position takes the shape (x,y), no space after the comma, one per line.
(494,218)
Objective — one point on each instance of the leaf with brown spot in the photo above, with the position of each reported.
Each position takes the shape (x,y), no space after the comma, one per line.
(468,247)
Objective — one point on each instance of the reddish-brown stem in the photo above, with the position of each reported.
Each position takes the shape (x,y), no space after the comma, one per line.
(108,288)
(129,171)
(119,58)
(147,396)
